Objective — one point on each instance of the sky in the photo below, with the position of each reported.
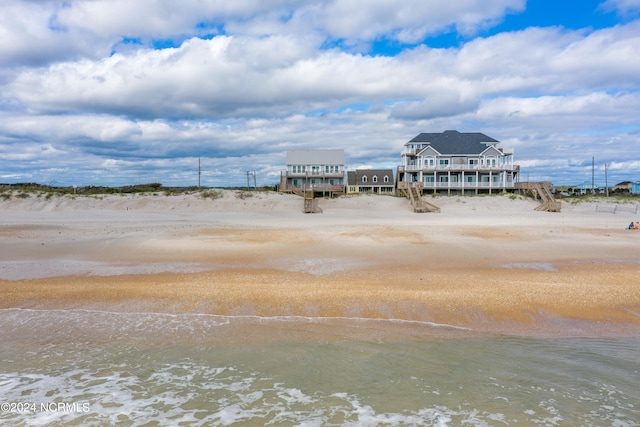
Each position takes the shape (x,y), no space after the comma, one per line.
(121,92)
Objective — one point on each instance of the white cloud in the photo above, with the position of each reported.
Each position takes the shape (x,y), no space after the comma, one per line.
(240,76)
(624,166)
(622,6)
(30,35)
(162,18)
(410,21)
(56,30)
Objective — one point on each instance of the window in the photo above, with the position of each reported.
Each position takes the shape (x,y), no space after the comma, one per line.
(444,162)
(386,178)
(428,179)
(375,178)
(473,162)
(444,178)
(364,178)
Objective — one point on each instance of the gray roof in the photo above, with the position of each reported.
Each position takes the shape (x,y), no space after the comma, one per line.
(315,157)
(454,142)
(355,177)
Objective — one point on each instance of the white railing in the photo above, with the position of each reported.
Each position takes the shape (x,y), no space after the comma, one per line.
(457,168)
(314,174)
(410,152)
(468,185)
(326,187)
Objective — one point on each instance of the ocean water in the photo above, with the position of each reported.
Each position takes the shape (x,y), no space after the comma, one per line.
(80,367)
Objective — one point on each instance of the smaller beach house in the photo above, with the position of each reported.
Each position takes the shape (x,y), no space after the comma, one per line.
(376,181)
(453,161)
(317,170)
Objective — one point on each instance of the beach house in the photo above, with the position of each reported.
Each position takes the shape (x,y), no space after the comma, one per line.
(624,186)
(587,187)
(454,161)
(376,181)
(317,170)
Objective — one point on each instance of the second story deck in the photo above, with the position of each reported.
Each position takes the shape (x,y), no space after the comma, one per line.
(460,168)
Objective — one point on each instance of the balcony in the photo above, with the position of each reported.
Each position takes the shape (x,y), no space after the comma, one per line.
(326,187)
(314,174)
(410,151)
(459,168)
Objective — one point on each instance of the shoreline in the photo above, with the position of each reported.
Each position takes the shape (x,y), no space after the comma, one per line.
(488,264)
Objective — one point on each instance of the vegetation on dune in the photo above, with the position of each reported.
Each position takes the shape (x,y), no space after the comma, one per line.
(29,189)
(211,194)
(601,198)
(48,192)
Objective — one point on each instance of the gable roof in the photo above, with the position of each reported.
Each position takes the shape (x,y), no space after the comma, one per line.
(315,157)
(454,142)
(355,177)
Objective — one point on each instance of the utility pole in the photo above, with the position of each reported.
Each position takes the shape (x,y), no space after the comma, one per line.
(606,181)
(249,174)
(593,167)
(199,173)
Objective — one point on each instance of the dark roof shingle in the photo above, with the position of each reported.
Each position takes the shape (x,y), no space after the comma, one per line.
(454,142)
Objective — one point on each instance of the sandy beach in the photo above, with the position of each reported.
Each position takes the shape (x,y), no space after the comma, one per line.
(488,263)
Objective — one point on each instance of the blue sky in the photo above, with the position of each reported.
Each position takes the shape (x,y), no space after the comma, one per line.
(112,92)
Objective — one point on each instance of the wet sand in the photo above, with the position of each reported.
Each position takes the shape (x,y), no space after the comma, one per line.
(490,264)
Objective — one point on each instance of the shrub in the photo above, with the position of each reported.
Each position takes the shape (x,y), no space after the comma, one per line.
(211,194)
(244,194)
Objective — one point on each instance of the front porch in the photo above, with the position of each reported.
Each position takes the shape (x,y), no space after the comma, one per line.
(461,181)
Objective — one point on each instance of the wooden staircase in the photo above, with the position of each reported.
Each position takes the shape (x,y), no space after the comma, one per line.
(310,202)
(413,192)
(542,191)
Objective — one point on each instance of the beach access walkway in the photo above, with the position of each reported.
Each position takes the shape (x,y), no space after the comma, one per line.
(413,192)
(542,191)
(310,202)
